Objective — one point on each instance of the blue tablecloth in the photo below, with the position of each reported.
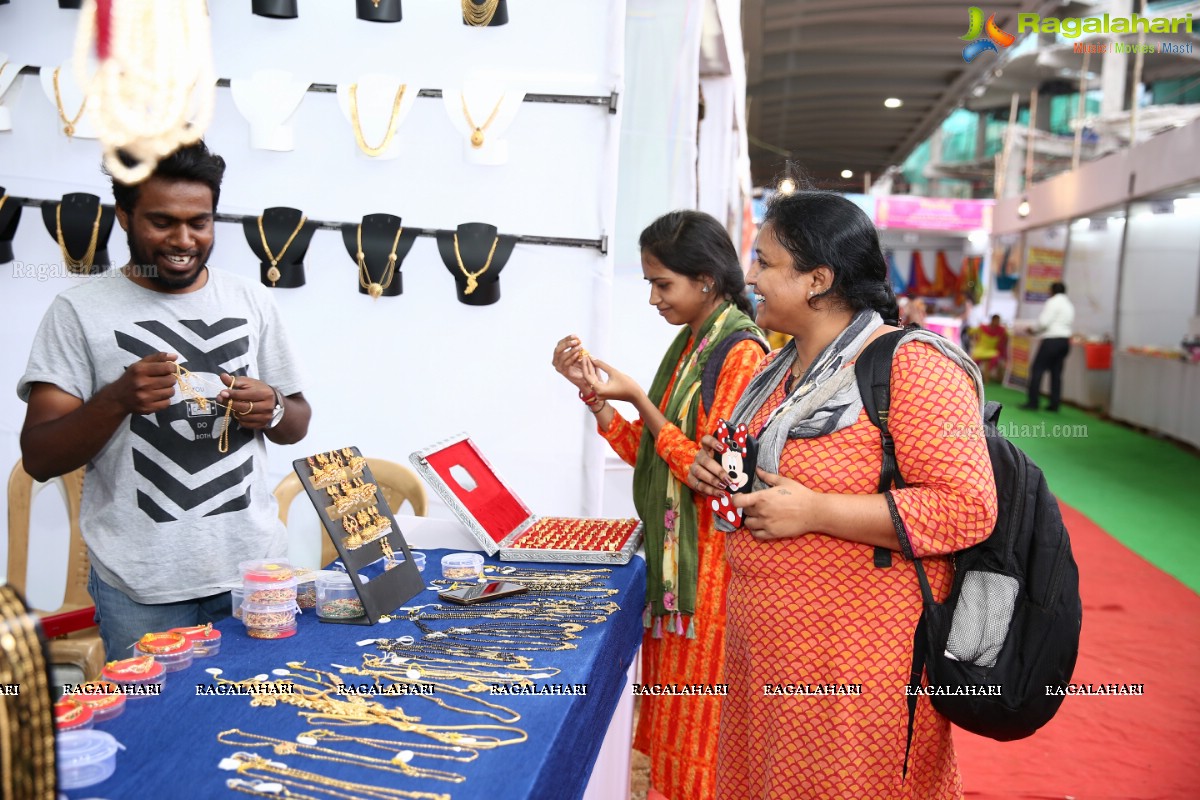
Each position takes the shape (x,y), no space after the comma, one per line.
(171,747)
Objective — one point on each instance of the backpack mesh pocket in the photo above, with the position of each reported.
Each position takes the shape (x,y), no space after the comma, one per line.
(981,618)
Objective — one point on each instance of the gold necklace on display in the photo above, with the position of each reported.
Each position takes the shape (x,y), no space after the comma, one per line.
(478,130)
(389,272)
(273,273)
(472,282)
(68,123)
(479,16)
(356,123)
(82,264)
(3,200)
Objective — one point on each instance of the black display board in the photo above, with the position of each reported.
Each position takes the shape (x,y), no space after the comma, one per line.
(393,587)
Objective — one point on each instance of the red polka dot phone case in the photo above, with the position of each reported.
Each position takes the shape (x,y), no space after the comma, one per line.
(739,456)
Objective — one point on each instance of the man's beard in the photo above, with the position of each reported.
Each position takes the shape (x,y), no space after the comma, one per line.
(144,266)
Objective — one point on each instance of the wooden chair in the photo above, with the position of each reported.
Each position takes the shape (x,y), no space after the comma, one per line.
(399,484)
(74,639)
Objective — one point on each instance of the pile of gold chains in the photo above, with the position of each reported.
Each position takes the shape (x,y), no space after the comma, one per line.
(356,123)
(78,265)
(472,277)
(268,775)
(479,16)
(273,274)
(389,271)
(184,378)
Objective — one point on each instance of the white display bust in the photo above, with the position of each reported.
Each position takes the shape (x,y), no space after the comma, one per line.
(72,100)
(375,103)
(268,99)
(483,98)
(8,76)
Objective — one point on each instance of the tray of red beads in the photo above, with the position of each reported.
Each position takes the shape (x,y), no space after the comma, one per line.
(503,524)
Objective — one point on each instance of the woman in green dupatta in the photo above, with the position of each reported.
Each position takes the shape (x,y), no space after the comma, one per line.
(696,283)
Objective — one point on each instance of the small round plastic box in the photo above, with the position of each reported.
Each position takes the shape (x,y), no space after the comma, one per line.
(86,758)
(462,566)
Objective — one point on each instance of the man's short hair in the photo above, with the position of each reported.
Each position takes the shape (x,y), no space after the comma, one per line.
(1058,287)
(193,162)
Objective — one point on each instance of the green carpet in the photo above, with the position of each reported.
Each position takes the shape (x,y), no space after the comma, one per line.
(1141,490)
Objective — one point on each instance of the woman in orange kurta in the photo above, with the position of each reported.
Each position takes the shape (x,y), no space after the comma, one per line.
(820,630)
(695,282)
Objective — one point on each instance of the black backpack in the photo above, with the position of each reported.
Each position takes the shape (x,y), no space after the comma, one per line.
(1013,615)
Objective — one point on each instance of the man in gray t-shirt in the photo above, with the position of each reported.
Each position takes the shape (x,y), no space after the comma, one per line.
(165,378)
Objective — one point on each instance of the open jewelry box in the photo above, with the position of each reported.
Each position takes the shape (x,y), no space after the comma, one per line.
(501,523)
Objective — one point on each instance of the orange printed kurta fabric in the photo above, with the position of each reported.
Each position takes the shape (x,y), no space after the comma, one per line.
(815,612)
(679,733)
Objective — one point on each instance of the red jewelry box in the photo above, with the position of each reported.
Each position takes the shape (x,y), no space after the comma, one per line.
(503,524)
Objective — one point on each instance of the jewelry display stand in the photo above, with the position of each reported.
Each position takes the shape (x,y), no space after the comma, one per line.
(267,100)
(382,236)
(68,99)
(286,238)
(476,264)
(400,582)
(503,524)
(276,9)
(10,215)
(481,112)
(375,105)
(379,10)
(8,76)
(480,9)
(85,243)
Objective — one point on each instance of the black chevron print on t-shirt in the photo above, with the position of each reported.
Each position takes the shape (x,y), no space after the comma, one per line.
(176,444)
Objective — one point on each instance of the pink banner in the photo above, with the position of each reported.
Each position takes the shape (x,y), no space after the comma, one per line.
(933,213)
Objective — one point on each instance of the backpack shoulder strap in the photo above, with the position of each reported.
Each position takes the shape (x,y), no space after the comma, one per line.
(873,370)
(712,368)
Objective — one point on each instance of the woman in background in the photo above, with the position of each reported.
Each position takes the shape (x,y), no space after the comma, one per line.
(696,283)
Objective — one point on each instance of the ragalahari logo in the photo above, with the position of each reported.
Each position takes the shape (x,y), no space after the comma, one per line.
(994,37)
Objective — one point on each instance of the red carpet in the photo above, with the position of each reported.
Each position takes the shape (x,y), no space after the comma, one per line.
(1140,625)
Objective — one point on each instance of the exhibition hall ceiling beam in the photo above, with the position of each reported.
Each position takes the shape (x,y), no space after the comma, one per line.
(819,71)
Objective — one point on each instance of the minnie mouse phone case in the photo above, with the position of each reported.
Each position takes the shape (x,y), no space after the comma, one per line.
(738,461)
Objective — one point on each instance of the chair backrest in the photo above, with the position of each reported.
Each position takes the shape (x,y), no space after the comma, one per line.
(398,482)
(22,488)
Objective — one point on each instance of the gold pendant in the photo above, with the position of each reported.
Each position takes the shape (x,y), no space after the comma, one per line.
(471,284)
(477,139)
(273,275)
(375,290)
(69,130)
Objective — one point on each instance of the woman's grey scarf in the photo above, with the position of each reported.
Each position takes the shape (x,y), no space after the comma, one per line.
(826,399)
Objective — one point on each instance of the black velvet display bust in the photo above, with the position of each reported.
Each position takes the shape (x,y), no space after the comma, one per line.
(278,224)
(79,227)
(379,10)
(475,241)
(499,18)
(10,215)
(378,233)
(277,9)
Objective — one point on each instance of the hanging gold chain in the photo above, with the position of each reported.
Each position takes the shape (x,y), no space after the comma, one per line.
(68,123)
(472,282)
(356,122)
(81,265)
(478,130)
(479,16)
(273,273)
(389,271)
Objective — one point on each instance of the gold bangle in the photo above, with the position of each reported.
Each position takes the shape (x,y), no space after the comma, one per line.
(175,643)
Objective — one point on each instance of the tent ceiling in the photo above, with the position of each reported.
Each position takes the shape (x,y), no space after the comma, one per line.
(819,71)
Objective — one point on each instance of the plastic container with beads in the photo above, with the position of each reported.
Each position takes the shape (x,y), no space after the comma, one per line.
(205,639)
(270,620)
(235,602)
(269,592)
(85,758)
(267,570)
(306,590)
(172,650)
(337,598)
(462,567)
(104,698)
(72,715)
(137,677)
